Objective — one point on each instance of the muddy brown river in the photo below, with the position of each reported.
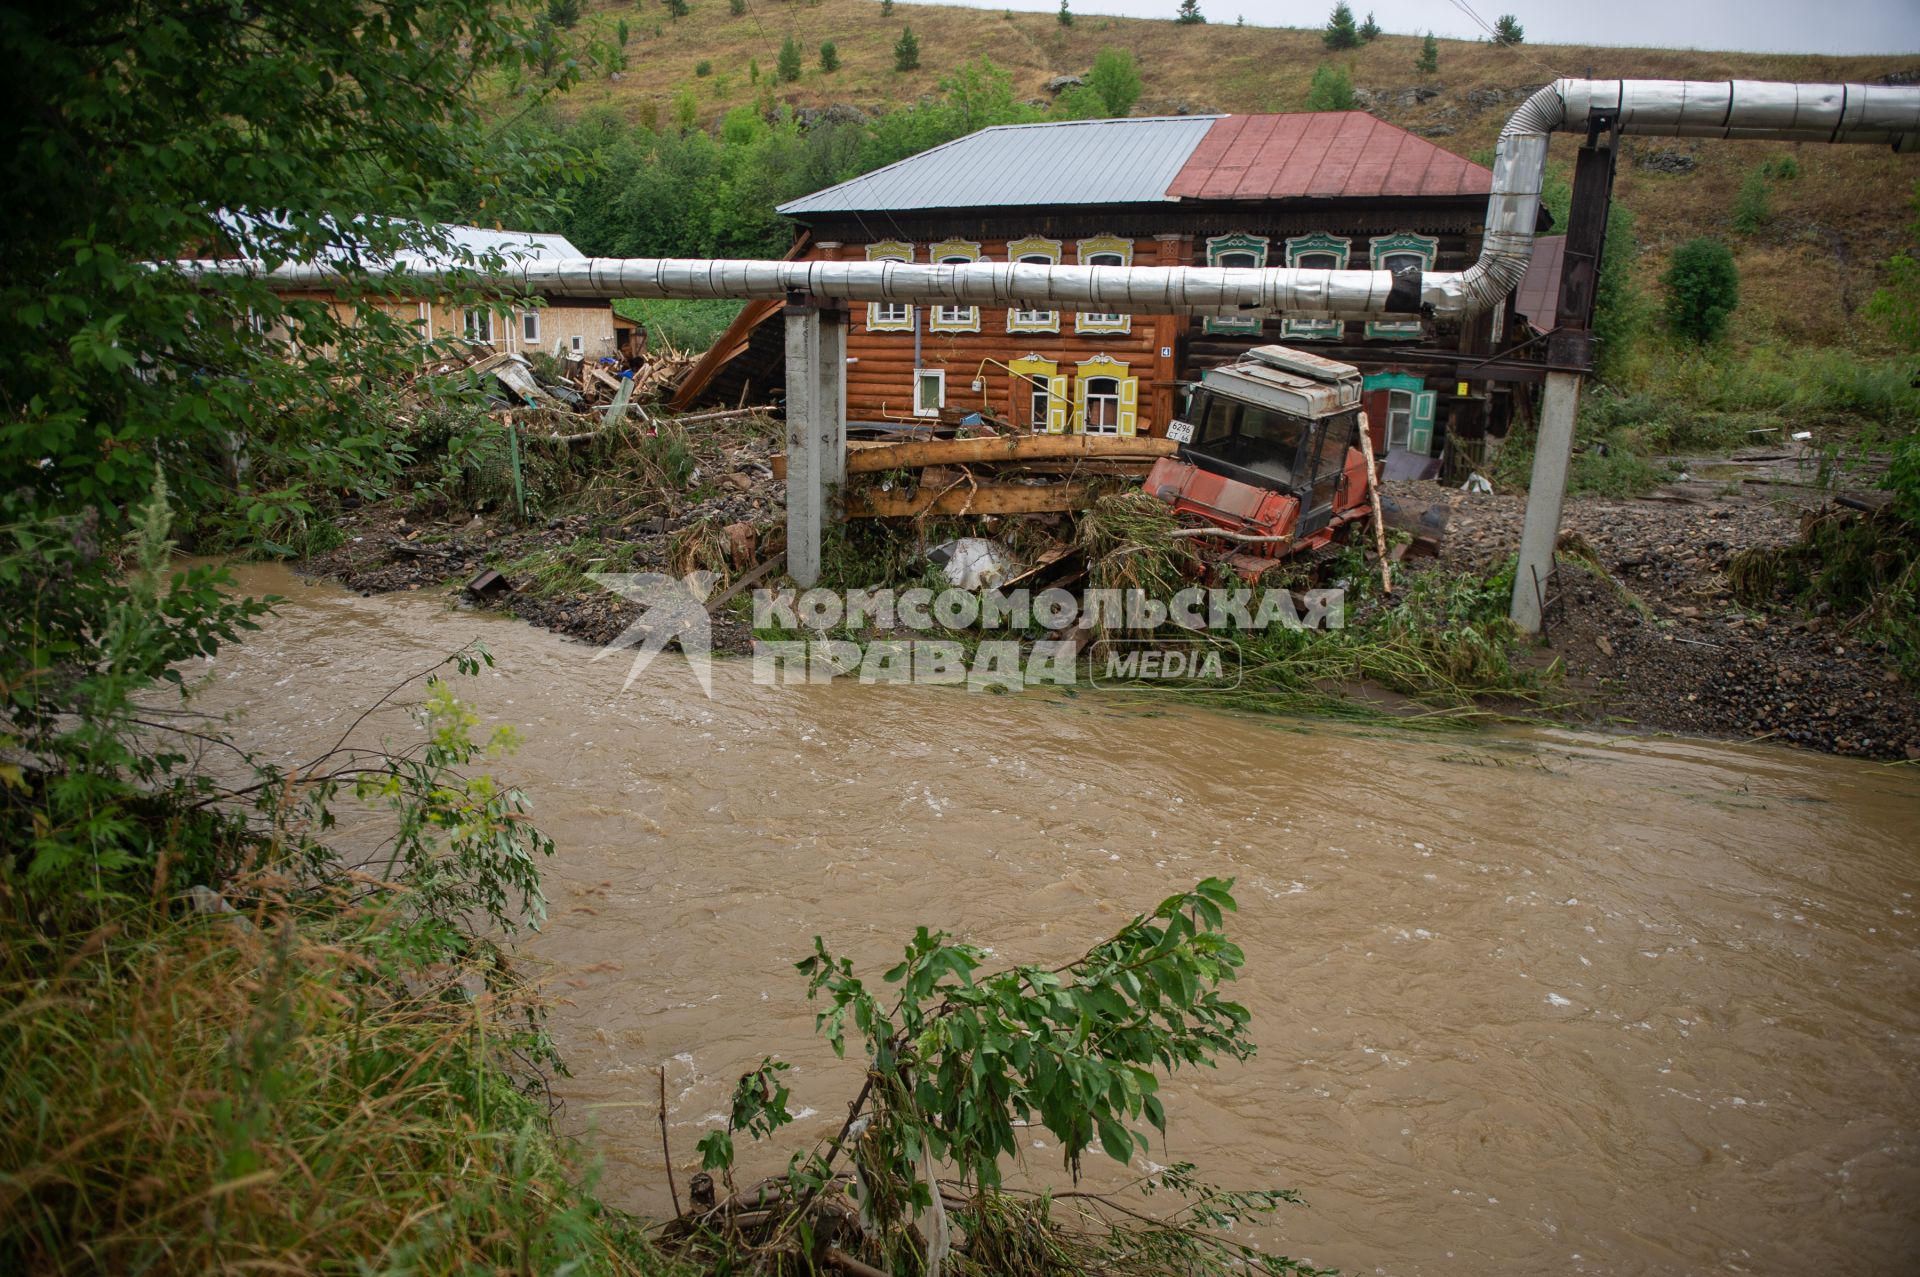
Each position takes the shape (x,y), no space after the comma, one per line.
(1530,1001)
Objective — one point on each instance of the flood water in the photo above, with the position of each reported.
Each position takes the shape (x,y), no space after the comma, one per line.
(1526,1002)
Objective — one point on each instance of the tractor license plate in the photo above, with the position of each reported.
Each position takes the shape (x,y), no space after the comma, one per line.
(1180,431)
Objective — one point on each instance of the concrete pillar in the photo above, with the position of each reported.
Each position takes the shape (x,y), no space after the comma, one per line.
(1552,453)
(816,428)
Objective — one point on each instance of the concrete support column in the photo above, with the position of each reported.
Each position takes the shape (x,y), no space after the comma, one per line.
(1552,454)
(816,427)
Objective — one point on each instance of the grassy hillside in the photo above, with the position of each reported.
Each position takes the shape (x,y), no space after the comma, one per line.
(1806,271)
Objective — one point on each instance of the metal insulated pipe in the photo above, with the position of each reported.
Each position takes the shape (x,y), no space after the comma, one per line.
(1669,108)
(1659,108)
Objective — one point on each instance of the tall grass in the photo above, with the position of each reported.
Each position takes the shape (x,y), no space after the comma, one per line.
(279,1090)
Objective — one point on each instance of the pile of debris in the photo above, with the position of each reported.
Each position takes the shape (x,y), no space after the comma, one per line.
(570,386)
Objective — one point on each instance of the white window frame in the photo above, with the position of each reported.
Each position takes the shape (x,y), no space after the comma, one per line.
(1035,251)
(1092,396)
(577,345)
(890,317)
(919,379)
(1238,244)
(1126,395)
(1084,252)
(954,319)
(1424,248)
(469,323)
(1399,418)
(1300,247)
(530,327)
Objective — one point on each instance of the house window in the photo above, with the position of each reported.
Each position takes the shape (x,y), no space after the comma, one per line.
(1103,405)
(479,324)
(577,344)
(1103,250)
(1039,395)
(1399,418)
(954,319)
(889,317)
(1316,252)
(929,391)
(530,327)
(1034,252)
(1397,252)
(1241,252)
(1106,399)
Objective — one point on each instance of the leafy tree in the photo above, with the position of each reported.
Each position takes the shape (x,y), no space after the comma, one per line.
(1507,30)
(563,13)
(1369,30)
(1065,15)
(737,7)
(906,51)
(1898,304)
(1340,32)
(753,70)
(143,395)
(1116,79)
(1189,14)
(676,8)
(1750,210)
(1429,60)
(686,110)
(1331,90)
(1703,287)
(787,68)
(886,8)
(829,57)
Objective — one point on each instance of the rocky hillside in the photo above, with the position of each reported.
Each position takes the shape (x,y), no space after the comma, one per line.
(1807,270)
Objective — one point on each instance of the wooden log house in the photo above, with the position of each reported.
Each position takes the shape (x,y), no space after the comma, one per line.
(1339,189)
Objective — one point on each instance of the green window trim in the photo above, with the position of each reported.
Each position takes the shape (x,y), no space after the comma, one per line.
(1421,410)
(1427,249)
(1339,248)
(1221,246)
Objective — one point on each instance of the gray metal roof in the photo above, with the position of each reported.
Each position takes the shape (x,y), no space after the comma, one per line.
(1067,162)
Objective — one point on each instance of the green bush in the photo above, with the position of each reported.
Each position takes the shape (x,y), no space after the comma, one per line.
(1331,90)
(1750,209)
(1508,31)
(906,51)
(1116,79)
(703,68)
(1429,60)
(1703,288)
(787,68)
(1369,31)
(1065,15)
(829,57)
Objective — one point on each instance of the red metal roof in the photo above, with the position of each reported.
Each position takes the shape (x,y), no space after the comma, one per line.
(1321,155)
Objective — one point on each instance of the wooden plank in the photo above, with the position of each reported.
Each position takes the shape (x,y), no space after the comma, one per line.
(1003,448)
(986,498)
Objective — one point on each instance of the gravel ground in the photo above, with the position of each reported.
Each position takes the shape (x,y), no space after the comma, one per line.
(1662,645)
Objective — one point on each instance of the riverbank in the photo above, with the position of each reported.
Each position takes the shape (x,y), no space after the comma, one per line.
(1642,624)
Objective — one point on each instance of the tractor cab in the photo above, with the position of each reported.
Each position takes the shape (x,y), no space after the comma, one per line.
(1269,451)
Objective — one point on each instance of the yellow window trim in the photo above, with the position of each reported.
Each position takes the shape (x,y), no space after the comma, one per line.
(891,250)
(1093,246)
(1037,321)
(1127,421)
(954,319)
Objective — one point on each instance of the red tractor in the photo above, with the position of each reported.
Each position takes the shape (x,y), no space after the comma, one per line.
(1270,455)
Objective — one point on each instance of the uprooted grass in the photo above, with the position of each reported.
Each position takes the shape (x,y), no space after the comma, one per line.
(263,1090)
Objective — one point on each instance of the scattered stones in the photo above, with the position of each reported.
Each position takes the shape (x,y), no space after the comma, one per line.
(1665,159)
(1061,83)
(1662,644)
